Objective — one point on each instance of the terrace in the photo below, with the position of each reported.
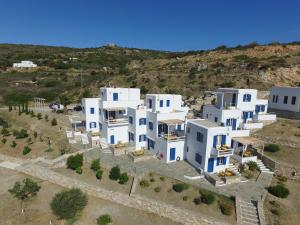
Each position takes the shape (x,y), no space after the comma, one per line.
(171,130)
(116,116)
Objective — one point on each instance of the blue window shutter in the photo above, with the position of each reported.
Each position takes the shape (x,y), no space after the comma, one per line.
(263,108)
(168,103)
(218,161)
(251,114)
(234,124)
(161,103)
(179,127)
(215,141)
(223,139)
(244,97)
(228,122)
(257,108)
(249,98)
(225,159)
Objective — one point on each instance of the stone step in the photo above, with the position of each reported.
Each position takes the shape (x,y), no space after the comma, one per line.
(249,223)
(250,214)
(256,221)
(248,207)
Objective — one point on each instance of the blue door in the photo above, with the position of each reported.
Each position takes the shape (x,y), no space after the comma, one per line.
(112,139)
(245,115)
(172,154)
(210,166)
(234,124)
(115,96)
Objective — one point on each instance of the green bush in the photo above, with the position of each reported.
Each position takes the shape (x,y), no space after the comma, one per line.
(179,187)
(13,144)
(162,178)
(123,178)
(152,180)
(115,173)
(75,161)
(104,219)
(35,134)
(5,132)
(225,208)
(157,189)
(197,201)
(144,183)
(279,191)
(20,134)
(39,116)
(207,197)
(28,188)
(95,165)
(252,165)
(185,198)
(99,174)
(3,140)
(67,204)
(272,148)
(26,150)
(53,122)
(78,170)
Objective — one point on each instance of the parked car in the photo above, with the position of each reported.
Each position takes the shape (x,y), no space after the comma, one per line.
(77,108)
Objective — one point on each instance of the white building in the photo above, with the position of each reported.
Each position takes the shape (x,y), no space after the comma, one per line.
(238,108)
(166,120)
(208,145)
(285,98)
(90,110)
(24,64)
(137,128)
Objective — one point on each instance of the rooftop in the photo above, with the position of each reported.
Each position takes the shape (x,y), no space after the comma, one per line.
(204,123)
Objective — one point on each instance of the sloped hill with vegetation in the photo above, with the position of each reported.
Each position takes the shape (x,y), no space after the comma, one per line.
(76,72)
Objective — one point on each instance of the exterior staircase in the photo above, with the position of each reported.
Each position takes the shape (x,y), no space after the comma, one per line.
(248,213)
(262,167)
(103,143)
(234,169)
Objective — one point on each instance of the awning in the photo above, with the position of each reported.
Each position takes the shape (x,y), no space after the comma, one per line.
(171,121)
(248,140)
(115,108)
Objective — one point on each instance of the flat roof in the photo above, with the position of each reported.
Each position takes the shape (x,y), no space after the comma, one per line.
(247,140)
(204,123)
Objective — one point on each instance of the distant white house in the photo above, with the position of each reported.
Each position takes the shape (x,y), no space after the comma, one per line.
(24,64)
(285,98)
(208,145)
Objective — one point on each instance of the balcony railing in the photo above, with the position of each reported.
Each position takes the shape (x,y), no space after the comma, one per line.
(117,121)
(173,136)
(223,150)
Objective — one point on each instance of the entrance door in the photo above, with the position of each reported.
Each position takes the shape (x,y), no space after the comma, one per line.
(210,166)
(234,124)
(172,154)
(245,115)
(112,139)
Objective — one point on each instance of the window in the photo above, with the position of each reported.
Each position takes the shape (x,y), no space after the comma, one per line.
(188,130)
(150,103)
(216,119)
(198,158)
(168,103)
(142,137)
(150,125)
(115,96)
(92,124)
(130,120)
(260,108)
(142,121)
(247,98)
(293,100)
(151,143)
(131,136)
(285,99)
(274,97)
(200,137)
(92,110)
(161,103)
(276,100)
(221,161)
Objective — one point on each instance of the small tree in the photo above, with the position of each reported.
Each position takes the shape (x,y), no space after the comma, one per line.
(5,132)
(272,148)
(25,190)
(252,165)
(207,197)
(123,178)
(75,161)
(35,134)
(46,118)
(95,165)
(39,116)
(26,150)
(67,204)
(99,174)
(53,122)
(104,219)
(279,191)
(13,144)
(180,187)
(4,140)
(115,173)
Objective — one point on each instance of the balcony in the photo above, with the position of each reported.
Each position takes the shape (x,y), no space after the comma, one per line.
(115,116)
(171,130)
(222,151)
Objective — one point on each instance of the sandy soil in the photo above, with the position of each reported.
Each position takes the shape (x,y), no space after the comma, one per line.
(37,210)
(288,208)
(171,197)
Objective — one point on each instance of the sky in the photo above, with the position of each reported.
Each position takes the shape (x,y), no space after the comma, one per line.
(173,25)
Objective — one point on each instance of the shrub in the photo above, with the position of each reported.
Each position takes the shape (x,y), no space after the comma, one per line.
(53,122)
(279,191)
(272,148)
(157,189)
(185,198)
(151,174)
(275,212)
(13,144)
(123,178)
(104,219)
(35,134)
(225,208)
(3,140)
(144,183)
(46,117)
(115,173)
(282,178)
(20,134)
(179,187)
(28,188)
(162,178)
(207,197)
(152,180)
(95,165)
(26,150)
(75,161)
(252,165)
(78,170)
(39,116)
(67,204)
(99,174)
(197,201)
(5,132)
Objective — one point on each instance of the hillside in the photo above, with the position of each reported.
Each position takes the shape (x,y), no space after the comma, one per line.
(80,72)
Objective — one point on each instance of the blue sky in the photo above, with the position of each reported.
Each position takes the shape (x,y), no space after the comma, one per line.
(154,24)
